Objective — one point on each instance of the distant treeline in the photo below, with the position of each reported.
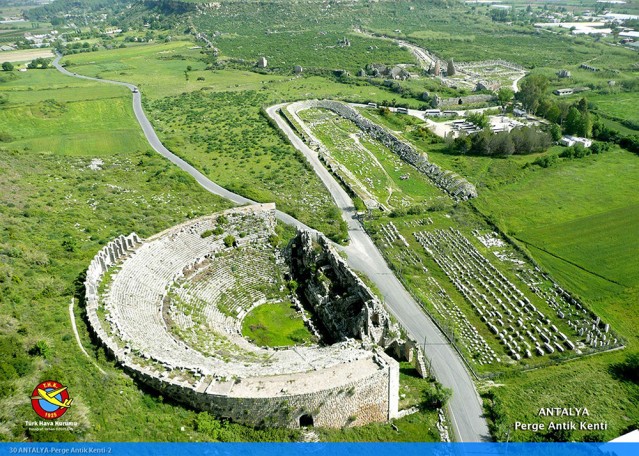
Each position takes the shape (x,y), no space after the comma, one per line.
(54,12)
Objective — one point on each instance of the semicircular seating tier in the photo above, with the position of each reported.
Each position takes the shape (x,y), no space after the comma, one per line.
(169,309)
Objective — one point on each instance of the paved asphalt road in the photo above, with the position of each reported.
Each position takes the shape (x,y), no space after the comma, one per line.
(465,406)
(157,145)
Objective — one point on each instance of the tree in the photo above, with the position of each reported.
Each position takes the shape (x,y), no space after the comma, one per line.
(435,397)
(462,143)
(555,132)
(582,105)
(41,348)
(505,96)
(7,66)
(39,63)
(481,143)
(532,91)
(572,123)
(584,127)
(502,144)
(553,114)
(628,369)
(479,119)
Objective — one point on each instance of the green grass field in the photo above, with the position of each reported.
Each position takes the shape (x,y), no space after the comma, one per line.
(275,325)
(579,220)
(585,383)
(571,190)
(623,105)
(605,242)
(56,214)
(76,128)
(159,69)
(67,116)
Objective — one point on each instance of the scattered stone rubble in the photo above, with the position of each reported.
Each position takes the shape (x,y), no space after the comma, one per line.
(508,313)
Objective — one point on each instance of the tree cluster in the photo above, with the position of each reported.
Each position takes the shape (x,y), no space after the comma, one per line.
(518,141)
(628,369)
(40,62)
(579,151)
(603,133)
(575,118)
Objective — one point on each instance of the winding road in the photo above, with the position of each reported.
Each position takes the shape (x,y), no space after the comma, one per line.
(465,407)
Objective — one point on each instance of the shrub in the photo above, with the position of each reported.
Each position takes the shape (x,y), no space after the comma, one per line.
(628,369)
(546,161)
(41,348)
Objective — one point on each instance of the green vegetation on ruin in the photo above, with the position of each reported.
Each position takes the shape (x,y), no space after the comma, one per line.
(276,324)
(379,171)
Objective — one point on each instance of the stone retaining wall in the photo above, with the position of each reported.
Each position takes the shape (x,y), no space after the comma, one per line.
(467,100)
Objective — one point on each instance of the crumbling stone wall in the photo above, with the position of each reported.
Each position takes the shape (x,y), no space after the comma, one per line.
(469,99)
(345,305)
(452,183)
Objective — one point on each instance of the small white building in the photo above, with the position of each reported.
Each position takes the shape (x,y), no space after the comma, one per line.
(563,92)
(262,62)
(569,141)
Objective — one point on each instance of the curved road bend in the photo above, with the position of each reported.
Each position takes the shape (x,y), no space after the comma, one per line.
(157,145)
(465,405)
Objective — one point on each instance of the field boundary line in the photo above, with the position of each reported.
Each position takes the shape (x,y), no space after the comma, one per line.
(571,262)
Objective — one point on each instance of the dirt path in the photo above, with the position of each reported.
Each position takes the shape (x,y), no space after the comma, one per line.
(77,336)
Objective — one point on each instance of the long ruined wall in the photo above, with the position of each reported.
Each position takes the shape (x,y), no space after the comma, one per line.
(452,183)
(355,392)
